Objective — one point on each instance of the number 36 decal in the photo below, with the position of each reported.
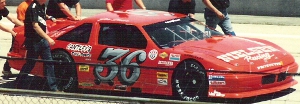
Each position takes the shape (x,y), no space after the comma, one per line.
(113,69)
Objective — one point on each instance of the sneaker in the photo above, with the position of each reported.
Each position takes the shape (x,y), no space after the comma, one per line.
(6,73)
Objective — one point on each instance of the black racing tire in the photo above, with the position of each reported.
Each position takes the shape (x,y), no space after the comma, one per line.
(65,73)
(189,81)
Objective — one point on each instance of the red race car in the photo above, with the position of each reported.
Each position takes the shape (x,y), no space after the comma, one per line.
(158,52)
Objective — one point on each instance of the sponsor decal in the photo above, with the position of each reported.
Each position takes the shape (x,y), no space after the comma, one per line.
(86,84)
(174,57)
(212,82)
(270,65)
(163,55)
(216,93)
(79,54)
(121,87)
(166,63)
(216,77)
(265,56)
(162,75)
(84,68)
(162,81)
(255,53)
(216,80)
(162,78)
(152,54)
(79,48)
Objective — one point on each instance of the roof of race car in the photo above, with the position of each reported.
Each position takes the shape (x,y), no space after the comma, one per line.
(134,16)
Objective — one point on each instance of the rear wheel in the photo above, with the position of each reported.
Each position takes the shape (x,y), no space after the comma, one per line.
(65,73)
(189,81)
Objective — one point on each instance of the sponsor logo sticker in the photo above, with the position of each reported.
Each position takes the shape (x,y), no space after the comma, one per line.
(165,63)
(163,55)
(153,54)
(87,84)
(216,93)
(84,68)
(162,81)
(270,65)
(162,75)
(174,57)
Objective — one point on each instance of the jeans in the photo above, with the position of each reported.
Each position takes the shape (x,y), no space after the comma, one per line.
(6,66)
(34,50)
(212,21)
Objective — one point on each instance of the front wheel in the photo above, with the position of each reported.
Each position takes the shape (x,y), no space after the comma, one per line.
(65,73)
(189,81)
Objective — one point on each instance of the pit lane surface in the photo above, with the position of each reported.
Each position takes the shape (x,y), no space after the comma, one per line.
(278,30)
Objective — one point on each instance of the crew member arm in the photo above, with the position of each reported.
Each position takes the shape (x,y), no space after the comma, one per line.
(6,29)
(40,31)
(109,7)
(66,11)
(140,4)
(211,7)
(15,20)
(78,10)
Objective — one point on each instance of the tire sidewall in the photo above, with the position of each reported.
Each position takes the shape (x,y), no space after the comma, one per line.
(72,76)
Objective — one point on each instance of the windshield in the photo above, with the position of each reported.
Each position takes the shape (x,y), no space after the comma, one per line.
(170,33)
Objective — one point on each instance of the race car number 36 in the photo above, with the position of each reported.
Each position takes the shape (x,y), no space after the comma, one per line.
(112,55)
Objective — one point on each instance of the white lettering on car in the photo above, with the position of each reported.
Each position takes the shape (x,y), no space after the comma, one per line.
(270,65)
(255,53)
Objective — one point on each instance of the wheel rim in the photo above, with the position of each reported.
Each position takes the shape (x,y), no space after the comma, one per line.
(191,83)
(63,73)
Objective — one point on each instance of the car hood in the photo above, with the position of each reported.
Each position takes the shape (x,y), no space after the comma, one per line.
(252,54)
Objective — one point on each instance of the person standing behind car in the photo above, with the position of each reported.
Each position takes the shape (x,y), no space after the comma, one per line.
(112,5)
(186,7)
(62,9)
(21,10)
(216,14)
(5,13)
(37,43)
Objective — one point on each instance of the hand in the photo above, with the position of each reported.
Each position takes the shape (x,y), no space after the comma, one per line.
(78,17)
(220,15)
(53,19)
(14,34)
(73,18)
(51,41)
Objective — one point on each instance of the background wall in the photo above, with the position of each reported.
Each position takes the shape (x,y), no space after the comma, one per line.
(286,8)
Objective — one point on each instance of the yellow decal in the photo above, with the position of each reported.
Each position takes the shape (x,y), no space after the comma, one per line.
(85,68)
(162,75)
(87,84)
(163,55)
